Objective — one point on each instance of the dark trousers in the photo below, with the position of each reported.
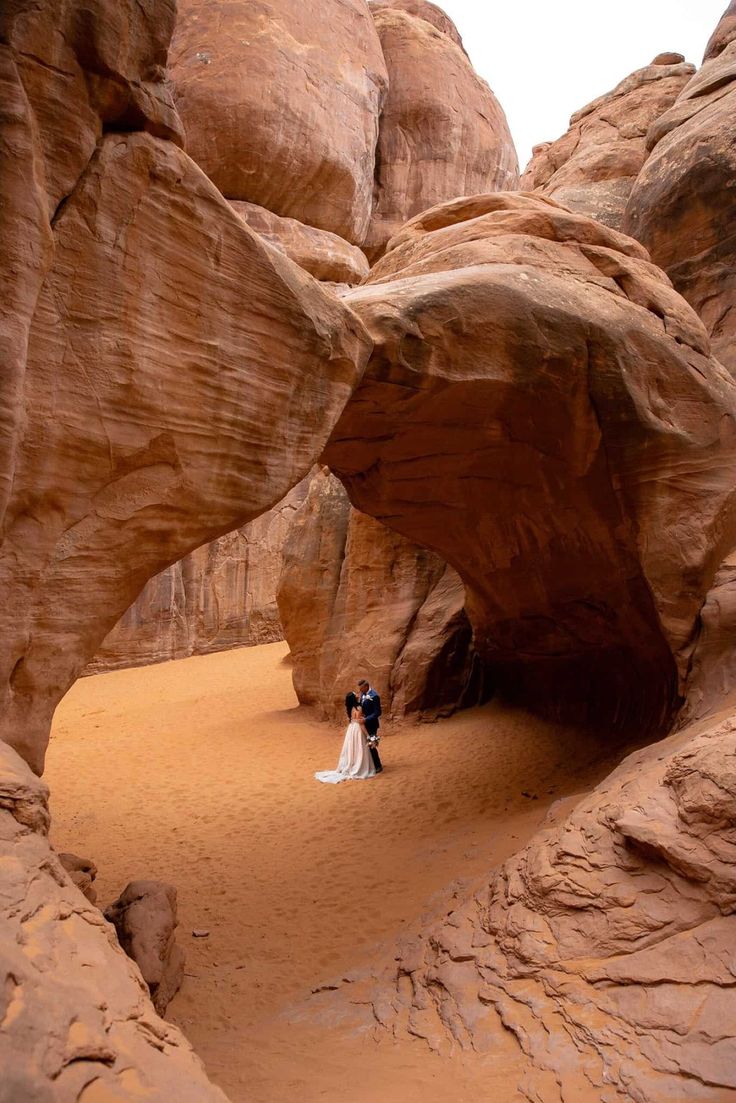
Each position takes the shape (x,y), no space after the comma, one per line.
(376,759)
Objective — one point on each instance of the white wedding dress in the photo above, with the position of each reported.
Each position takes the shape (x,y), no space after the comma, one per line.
(355,762)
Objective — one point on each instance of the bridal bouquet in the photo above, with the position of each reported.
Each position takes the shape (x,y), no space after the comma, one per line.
(373,740)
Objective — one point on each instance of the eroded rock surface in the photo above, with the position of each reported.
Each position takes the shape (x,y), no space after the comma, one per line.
(443,133)
(605,947)
(542,411)
(223,595)
(359,599)
(82,871)
(592,168)
(145,918)
(683,206)
(180,374)
(281,101)
(326,256)
(76,1020)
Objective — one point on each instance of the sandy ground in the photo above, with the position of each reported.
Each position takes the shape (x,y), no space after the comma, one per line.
(200,772)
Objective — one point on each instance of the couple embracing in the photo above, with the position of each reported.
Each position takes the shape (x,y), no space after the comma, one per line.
(359,758)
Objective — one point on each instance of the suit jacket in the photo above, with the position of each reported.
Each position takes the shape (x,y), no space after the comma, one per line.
(371,704)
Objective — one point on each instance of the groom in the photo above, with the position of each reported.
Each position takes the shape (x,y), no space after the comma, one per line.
(370,703)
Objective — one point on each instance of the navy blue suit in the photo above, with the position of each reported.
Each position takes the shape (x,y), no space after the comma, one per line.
(370,703)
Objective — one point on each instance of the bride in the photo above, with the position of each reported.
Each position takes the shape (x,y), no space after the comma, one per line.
(355,762)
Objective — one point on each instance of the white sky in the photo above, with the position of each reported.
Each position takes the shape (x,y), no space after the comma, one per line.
(545,59)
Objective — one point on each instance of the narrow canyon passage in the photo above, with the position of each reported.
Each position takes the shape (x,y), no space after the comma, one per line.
(200,772)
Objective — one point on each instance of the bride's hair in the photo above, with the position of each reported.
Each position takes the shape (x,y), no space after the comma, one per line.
(351,702)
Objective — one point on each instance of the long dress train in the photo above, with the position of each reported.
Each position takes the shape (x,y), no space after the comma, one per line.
(355,762)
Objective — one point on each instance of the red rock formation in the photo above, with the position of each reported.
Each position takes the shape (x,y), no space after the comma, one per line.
(77,1019)
(592,168)
(280,102)
(541,410)
(443,133)
(713,664)
(223,595)
(683,205)
(605,947)
(145,918)
(181,374)
(425,10)
(327,256)
(355,598)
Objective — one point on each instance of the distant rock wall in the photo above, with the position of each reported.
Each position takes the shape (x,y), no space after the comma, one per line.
(358,599)
(592,168)
(223,595)
(683,205)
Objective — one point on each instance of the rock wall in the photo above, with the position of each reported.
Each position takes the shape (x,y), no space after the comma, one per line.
(358,599)
(76,1019)
(683,205)
(542,411)
(592,168)
(172,375)
(223,595)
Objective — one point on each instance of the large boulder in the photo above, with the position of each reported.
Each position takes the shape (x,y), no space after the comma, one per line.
(280,101)
(592,168)
(76,1020)
(683,205)
(443,133)
(179,374)
(357,598)
(605,946)
(542,411)
(220,596)
(145,919)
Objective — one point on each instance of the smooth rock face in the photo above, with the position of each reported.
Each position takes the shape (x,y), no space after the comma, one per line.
(605,946)
(144,916)
(443,133)
(280,102)
(541,410)
(592,168)
(223,595)
(77,1022)
(358,599)
(683,206)
(326,256)
(180,376)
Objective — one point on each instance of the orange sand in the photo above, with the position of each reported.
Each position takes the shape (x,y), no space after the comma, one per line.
(200,772)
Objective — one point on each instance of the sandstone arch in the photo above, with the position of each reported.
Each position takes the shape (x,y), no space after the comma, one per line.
(541,409)
(176,376)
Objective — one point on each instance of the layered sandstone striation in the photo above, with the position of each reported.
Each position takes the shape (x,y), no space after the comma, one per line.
(178,375)
(356,598)
(77,1023)
(443,134)
(220,596)
(604,947)
(281,102)
(683,206)
(592,168)
(542,411)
